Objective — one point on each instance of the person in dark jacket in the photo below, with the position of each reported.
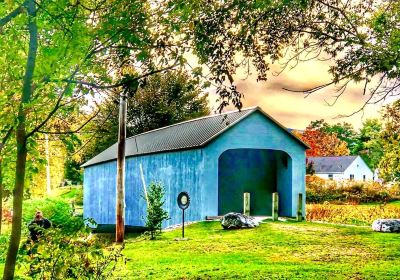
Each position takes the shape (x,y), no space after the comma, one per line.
(37,225)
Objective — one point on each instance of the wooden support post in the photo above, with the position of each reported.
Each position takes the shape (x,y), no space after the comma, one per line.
(246,203)
(300,208)
(120,203)
(275,206)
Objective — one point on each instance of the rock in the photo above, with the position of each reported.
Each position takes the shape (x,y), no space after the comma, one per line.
(238,220)
(386,225)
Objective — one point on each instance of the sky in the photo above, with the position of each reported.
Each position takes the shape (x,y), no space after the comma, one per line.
(292,109)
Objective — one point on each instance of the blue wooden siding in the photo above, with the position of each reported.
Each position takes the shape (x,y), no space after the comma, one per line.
(177,171)
(195,171)
(99,192)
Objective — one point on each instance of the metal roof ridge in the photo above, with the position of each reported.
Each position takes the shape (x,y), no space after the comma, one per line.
(192,120)
(250,109)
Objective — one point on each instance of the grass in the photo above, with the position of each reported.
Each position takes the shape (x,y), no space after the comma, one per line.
(275,250)
(397,203)
(280,250)
(69,193)
(363,214)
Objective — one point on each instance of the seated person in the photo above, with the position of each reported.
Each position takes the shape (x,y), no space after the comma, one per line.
(37,225)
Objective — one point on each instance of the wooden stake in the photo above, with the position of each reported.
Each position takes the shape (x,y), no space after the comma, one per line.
(300,208)
(120,203)
(246,203)
(275,206)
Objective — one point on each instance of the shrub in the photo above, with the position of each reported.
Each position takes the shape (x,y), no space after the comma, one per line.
(76,255)
(4,240)
(57,210)
(155,212)
(320,190)
(6,215)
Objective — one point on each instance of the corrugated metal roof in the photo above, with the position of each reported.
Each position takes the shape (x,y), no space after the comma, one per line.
(331,164)
(184,135)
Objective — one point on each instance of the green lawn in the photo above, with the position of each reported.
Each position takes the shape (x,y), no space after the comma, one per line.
(283,250)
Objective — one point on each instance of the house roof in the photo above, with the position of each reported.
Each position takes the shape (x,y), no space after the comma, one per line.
(331,164)
(185,135)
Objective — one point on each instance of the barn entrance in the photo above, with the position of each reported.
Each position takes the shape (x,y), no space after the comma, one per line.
(259,172)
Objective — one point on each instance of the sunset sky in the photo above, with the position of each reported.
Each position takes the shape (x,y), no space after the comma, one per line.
(292,109)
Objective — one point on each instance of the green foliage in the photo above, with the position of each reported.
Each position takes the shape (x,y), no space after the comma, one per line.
(319,191)
(389,166)
(4,239)
(76,255)
(57,210)
(344,131)
(155,212)
(72,194)
(73,172)
(163,99)
(369,144)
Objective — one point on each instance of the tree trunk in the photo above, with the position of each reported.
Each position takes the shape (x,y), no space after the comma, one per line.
(120,203)
(18,192)
(17,204)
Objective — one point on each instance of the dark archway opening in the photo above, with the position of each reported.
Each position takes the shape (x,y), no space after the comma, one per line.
(256,171)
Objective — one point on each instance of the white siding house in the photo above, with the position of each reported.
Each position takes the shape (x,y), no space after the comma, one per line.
(341,168)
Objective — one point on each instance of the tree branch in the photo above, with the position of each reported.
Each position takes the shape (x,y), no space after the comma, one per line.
(71,131)
(127,81)
(13,14)
(56,107)
(5,138)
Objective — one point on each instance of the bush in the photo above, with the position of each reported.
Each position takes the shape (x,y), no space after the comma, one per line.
(155,212)
(57,210)
(4,240)
(76,255)
(320,190)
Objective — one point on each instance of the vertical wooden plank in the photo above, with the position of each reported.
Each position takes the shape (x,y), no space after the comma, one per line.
(246,203)
(300,208)
(275,205)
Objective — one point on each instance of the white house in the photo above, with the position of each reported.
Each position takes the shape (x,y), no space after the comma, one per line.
(341,168)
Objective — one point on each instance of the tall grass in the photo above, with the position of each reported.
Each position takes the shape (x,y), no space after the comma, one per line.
(351,214)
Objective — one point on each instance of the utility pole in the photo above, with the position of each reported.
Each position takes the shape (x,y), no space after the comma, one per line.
(120,203)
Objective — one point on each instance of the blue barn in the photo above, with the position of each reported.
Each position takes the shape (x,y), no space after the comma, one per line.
(215,159)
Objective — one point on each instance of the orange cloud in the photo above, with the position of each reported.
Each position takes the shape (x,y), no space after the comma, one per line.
(293,109)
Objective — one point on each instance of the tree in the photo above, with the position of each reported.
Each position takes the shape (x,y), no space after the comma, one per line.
(322,144)
(164,99)
(344,131)
(41,43)
(155,212)
(389,166)
(369,143)
(360,38)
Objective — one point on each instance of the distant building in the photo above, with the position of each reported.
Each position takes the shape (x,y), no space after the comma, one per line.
(341,168)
